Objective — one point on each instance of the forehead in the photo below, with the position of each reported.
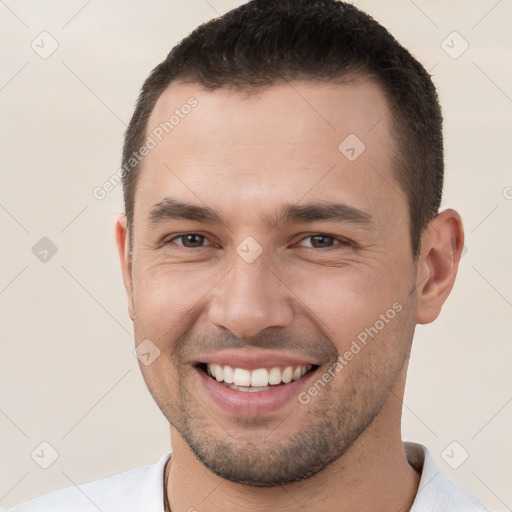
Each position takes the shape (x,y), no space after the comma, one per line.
(275,144)
(285,109)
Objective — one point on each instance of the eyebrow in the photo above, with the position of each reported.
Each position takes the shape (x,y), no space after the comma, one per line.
(171,208)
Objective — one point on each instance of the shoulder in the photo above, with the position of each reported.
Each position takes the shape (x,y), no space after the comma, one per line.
(112,494)
(436,490)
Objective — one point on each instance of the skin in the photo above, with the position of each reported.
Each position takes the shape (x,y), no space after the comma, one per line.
(245,157)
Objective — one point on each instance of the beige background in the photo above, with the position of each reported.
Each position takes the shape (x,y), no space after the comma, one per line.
(68,376)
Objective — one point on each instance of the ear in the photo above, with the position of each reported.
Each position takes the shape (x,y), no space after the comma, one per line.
(123,247)
(441,249)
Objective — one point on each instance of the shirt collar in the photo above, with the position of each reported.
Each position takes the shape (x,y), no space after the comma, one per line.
(436,492)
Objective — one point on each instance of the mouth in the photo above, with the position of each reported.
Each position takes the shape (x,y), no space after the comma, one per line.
(256,380)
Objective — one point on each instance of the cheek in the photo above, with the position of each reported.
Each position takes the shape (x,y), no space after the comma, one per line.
(344,302)
(165,297)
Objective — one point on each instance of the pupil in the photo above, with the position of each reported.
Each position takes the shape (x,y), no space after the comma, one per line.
(190,238)
(328,238)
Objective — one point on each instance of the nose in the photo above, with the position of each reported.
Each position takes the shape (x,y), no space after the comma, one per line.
(250,298)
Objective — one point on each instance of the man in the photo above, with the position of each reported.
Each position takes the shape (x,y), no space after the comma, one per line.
(282,238)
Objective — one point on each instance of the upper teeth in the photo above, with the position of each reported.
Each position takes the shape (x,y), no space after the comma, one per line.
(256,378)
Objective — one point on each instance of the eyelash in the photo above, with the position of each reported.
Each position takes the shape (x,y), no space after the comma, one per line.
(343,242)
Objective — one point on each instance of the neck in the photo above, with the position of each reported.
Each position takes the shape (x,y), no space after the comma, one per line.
(373,474)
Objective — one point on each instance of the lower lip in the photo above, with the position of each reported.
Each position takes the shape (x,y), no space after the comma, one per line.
(256,403)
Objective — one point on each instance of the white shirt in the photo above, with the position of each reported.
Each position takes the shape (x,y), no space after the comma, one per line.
(142,490)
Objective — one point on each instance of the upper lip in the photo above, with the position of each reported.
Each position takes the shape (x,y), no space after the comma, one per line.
(239,359)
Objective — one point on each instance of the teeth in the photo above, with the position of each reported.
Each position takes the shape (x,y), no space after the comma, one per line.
(228,374)
(296,373)
(219,372)
(259,378)
(274,376)
(287,375)
(242,379)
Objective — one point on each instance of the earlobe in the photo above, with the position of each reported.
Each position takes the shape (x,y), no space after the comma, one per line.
(123,248)
(441,250)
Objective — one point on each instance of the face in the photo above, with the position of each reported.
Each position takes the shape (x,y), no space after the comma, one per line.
(263,252)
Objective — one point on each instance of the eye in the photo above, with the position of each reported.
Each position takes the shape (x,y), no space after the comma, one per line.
(323,241)
(189,240)
(318,241)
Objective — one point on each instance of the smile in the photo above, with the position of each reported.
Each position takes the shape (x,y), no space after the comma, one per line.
(260,379)
(257,390)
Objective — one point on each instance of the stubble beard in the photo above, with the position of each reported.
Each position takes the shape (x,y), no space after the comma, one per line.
(256,454)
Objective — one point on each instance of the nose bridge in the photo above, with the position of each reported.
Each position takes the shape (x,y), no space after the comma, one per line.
(250,297)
